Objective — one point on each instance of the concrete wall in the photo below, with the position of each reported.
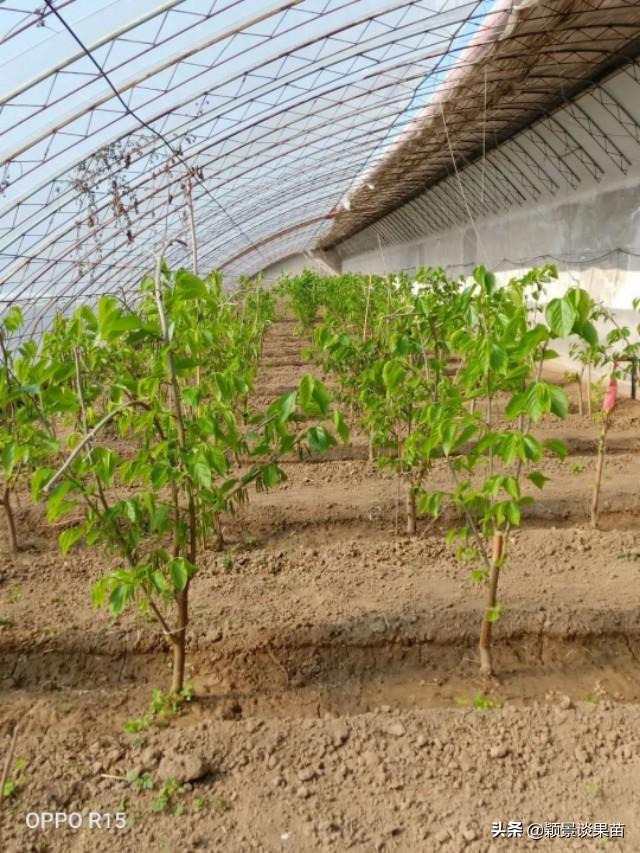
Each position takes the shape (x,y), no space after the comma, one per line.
(565,190)
(593,237)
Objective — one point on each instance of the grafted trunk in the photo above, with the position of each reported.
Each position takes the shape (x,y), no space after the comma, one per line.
(580,397)
(602,449)
(179,640)
(486,663)
(11,521)
(411,510)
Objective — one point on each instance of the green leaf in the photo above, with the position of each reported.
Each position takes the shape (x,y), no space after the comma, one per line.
(181,570)
(498,359)
(341,426)
(321,397)
(99,592)
(581,302)
(516,405)
(393,374)
(561,315)
(587,331)
(270,475)
(13,319)
(286,405)
(40,478)
(9,455)
(494,613)
(305,391)
(201,471)
(513,513)
(537,478)
(559,401)
(189,286)
(69,537)
(120,594)
(57,506)
(511,487)
(556,447)
(537,400)
(319,439)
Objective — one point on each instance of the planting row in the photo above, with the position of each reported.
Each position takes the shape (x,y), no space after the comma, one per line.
(131,420)
(453,371)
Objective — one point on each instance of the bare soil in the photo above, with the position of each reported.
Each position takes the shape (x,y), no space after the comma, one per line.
(333,661)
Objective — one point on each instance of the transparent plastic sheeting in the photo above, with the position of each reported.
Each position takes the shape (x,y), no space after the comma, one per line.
(266,113)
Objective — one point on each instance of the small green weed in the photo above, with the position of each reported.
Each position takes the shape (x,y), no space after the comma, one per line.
(143,782)
(163,706)
(479,701)
(166,798)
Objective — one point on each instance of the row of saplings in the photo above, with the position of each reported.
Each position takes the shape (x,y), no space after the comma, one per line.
(133,425)
(436,369)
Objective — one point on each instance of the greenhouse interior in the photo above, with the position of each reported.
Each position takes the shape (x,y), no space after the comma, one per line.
(319,429)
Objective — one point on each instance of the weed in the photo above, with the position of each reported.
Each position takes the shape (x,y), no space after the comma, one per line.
(220,804)
(594,788)
(143,781)
(479,701)
(576,468)
(12,786)
(163,706)
(166,796)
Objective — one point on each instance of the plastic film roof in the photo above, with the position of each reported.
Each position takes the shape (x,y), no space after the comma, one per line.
(268,110)
(271,116)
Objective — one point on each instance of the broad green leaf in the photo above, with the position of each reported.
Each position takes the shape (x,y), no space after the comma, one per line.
(559,401)
(181,570)
(305,391)
(57,506)
(13,319)
(321,397)
(270,475)
(69,537)
(557,447)
(39,479)
(189,286)
(202,471)
(587,331)
(513,513)
(179,573)
(9,456)
(561,315)
(537,478)
(120,594)
(340,426)
(498,359)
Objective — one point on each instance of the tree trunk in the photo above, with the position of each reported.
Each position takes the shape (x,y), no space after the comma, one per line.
(486,665)
(602,449)
(11,521)
(411,510)
(589,389)
(179,640)
(580,400)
